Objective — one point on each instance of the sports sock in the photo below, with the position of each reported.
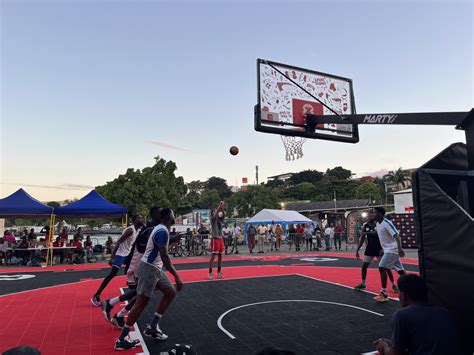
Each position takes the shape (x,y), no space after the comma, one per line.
(124,333)
(155,320)
(122,313)
(384,291)
(363,282)
(114,301)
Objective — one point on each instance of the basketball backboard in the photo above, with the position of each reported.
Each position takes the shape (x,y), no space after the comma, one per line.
(286,94)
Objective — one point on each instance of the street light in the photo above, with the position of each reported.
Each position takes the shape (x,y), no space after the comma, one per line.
(364,214)
(282,205)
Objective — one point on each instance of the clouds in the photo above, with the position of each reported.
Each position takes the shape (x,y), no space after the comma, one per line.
(74,187)
(170,146)
(377,173)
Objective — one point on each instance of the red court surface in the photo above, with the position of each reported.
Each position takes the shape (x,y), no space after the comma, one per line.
(61,320)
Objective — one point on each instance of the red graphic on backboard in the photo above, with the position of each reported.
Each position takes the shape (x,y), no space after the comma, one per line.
(304,107)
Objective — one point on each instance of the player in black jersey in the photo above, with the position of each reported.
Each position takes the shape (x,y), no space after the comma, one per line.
(372,250)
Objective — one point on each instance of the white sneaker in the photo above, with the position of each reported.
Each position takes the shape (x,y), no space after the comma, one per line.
(211,277)
(219,275)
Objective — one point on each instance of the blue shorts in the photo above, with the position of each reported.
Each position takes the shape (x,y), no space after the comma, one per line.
(119,260)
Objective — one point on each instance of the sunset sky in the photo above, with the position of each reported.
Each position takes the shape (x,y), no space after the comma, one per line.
(90,88)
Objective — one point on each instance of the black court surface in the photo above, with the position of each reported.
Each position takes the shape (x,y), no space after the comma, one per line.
(292,312)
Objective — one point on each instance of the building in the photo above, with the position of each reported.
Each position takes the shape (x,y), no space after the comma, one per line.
(282,177)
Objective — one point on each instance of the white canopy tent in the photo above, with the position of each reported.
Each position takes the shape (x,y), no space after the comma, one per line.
(283,217)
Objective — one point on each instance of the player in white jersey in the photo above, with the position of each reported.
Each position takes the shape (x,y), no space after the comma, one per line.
(138,249)
(119,255)
(151,276)
(392,251)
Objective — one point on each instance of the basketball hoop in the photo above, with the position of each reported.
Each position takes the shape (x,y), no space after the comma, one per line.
(293,147)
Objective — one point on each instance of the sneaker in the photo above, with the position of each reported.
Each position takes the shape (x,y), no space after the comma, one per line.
(95,300)
(382,297)
(155,333)
(106,308)
(219,275)
(126,344)
(394,288)
(211,276)
(119,322)
(359,287)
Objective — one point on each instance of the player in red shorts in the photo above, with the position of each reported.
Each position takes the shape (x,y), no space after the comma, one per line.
(217,241)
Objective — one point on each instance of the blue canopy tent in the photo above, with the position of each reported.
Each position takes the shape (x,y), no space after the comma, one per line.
(283,217)
(91,205)
(21,205)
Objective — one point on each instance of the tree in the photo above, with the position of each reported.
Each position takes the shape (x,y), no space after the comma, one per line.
(139,190)
(339,173)
(398,177)
(302,191)
(54,204)
(368,190)
(209,199)
(220,185)
(311,176)
(248,202)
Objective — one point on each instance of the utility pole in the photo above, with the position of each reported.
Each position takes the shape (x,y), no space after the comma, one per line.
(256,173)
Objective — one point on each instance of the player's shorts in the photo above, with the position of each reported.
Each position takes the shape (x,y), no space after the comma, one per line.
(217,245)
(119,260)
(391,261)
(150,279)
(368,259)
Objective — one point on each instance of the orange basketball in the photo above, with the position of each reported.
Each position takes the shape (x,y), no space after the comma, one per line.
(234,150)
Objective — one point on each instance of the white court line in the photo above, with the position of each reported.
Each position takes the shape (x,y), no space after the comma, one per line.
(138,334)
(44,288)
(230,335)
(337,284)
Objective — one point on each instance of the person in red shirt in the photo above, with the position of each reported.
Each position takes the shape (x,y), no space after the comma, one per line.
(59,243)
(79,250)
(299,236)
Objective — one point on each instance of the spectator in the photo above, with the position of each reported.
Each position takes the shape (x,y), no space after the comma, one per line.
(236,233)
(109,245)
(299,236)
(173,233)
(317,236)
(194,231)
(291,235)
(278,236)
(338,232)
(89,250)
(261,235)
(22,253)
(64,235)
(3,251)
(32,236)
(419,327)
(59,243)
(271,235)
(308,236)
(25,233)
(78,250)
(188,239)
(227,235)
(78,234)
(327,236)
(251,232)
(9,238)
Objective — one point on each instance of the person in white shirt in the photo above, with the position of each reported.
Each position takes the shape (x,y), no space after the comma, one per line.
(261,235)
(227,234)
(235,239)
(119,255)
(392,251)
(328,236)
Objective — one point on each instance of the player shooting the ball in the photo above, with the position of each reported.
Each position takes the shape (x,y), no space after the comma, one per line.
(217,242)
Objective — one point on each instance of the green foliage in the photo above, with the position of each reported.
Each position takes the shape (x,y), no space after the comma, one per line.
(220,185)
(209,199)
(398,177)
(139,190)
(302,191)
(54,204)
(311,176)
(248,202)
(369,190)
(339,173)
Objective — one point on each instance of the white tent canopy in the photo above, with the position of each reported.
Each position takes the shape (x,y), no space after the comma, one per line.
(267,216)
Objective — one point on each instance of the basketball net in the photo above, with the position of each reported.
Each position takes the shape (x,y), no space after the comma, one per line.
(293,147)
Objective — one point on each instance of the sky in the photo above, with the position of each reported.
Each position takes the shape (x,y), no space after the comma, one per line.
(91,88)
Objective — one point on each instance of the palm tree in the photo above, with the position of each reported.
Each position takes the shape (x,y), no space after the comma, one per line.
(398,177)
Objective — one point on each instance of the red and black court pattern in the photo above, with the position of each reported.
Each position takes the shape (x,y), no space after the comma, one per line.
(304,303)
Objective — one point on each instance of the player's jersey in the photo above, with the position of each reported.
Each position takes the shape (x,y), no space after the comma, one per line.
(373,243)
(125,247)
(216,228)
(159,237)
(386,231)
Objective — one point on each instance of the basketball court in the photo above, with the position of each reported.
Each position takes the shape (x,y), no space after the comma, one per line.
(298,302)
